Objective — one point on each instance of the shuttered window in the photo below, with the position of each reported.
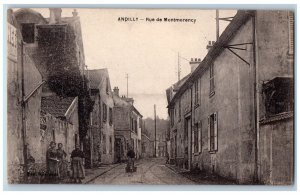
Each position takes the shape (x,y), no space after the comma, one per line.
(213,132)
(212,80)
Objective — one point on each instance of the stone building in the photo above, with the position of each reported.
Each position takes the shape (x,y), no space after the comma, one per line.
(101,129)
(219,113)
(28,102)
(127,124)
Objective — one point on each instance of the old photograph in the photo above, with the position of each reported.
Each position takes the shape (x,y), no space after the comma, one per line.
(105,96)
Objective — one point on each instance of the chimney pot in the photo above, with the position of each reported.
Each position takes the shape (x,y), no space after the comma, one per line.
(75,13)
(55,15)
(116,91)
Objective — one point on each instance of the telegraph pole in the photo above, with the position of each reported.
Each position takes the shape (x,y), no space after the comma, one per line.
(154,130)
(178,66)
(127,83)
(217,24)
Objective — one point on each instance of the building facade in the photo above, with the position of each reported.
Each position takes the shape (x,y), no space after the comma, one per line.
(38,122)
(215,113)
(101,133)
(128,124)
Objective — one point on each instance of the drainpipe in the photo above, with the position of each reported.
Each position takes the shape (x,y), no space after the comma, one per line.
(191,155)
(23,114)
(256,98)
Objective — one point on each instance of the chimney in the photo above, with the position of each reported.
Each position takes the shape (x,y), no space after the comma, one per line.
(55,15)
(75,13)
(210,45)
(116,91)
(194,63)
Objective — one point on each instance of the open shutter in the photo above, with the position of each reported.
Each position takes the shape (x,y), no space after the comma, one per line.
(200,137)
(215,131)
(193,141)
(208,130)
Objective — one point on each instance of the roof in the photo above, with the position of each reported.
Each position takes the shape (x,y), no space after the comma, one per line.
(55,105)
(175,87)
(239,19)
(22,11)
(96,76)
(277,117)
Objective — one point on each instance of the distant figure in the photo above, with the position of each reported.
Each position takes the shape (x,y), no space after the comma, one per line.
(77,157)
(62,163)
(52,163)
(167,158)
(130,156)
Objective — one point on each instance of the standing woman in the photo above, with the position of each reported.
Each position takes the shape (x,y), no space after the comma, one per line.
(77,157)
(62,164)
(52,163)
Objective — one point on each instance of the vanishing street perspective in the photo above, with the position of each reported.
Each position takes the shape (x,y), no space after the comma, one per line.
(150,96)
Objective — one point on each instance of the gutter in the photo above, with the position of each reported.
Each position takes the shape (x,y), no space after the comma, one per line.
(256,98)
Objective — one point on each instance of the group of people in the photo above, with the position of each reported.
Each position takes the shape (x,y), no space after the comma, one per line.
(57,164)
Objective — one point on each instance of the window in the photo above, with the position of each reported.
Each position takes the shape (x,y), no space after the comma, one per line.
(28,32)
(110,116)
(212,80)
(213,132)
(110,145)
(196,91)
(195,139)
(104,112)
(107,87)
(278,95)
(179,110)
(104,144)
(172,117)
(135,126)
(291,32)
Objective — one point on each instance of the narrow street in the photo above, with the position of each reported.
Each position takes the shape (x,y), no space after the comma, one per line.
(149,171)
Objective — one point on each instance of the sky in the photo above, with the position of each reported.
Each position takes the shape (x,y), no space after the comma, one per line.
(147,51)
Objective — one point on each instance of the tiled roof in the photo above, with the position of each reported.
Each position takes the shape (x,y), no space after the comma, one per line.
(277,117)
(96,76)
(56,106)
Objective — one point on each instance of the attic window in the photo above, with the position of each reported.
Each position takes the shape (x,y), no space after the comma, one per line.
(28,32)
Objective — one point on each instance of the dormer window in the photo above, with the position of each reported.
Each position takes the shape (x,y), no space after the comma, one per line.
(28,32)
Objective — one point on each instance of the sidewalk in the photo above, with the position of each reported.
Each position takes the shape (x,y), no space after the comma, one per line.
(201,177)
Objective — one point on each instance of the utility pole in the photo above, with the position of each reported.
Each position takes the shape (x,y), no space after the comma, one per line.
(127,83)
(217,24)
(154,130)
(178,66)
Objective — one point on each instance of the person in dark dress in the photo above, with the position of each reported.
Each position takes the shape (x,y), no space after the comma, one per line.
(52,163)
(62,163)
(130,156)
(77,157)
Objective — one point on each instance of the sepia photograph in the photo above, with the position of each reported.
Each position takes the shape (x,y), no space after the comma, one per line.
(189,96)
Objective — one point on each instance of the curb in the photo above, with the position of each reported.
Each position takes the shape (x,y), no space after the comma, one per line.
(95,177)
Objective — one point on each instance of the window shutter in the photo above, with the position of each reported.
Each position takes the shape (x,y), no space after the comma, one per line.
(200,137)
(208,129)
(193,141)
(215,131)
